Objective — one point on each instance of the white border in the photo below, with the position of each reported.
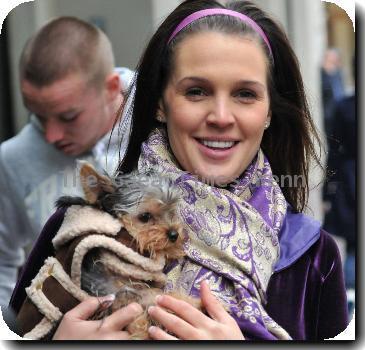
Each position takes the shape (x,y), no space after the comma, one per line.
(348,6)
(7,5)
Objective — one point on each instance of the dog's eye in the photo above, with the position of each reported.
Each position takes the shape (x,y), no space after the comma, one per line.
(145,217)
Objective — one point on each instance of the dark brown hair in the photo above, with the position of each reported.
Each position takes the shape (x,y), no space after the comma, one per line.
(289,142)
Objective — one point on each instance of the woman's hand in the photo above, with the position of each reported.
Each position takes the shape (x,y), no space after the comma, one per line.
(74,325)
(189,323)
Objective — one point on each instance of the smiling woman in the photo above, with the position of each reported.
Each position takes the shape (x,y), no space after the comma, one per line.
(218,106)
(216,117)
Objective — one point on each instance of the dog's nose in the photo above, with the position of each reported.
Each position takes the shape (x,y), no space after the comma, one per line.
(172,235)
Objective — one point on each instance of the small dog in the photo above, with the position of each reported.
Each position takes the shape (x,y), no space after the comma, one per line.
(146,206)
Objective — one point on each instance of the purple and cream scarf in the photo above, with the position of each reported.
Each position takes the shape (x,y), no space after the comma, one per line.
(232,236)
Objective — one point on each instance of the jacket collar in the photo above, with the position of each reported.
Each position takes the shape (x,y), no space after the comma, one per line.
(299,232)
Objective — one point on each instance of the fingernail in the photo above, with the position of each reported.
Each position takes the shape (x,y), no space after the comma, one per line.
(158,298)
(110,297)
(152,329)
(150,309)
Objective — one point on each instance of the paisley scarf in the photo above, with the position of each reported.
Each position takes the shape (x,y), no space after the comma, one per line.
(232,236)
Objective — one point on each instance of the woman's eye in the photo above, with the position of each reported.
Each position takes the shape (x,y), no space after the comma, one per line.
(246,94)
(195,92)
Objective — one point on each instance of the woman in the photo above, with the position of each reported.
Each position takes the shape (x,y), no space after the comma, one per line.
(219,106)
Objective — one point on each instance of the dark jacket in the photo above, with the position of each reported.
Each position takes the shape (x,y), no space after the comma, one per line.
(341,188)
(306,294)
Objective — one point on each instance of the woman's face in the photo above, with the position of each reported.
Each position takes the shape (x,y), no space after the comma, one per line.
(216,104)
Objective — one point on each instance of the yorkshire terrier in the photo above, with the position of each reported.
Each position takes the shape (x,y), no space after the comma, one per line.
(146,205)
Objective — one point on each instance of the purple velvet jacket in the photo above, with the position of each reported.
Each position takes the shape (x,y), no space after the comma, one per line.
(306,294)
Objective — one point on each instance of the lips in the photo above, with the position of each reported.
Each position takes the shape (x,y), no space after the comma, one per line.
(217,144)
(63,145)
(217,149)
(66,147)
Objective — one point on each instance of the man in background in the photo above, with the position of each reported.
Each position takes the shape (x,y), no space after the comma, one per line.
(340,192)
(71,87)
(332,86)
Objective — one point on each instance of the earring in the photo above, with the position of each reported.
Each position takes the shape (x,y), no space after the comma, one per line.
(160,118)
(267,124)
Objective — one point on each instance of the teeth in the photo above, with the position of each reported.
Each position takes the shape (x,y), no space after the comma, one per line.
(218,144)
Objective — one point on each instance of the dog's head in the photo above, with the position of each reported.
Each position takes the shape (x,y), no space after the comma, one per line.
(146,204)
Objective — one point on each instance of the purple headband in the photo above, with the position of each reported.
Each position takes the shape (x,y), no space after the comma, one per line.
(217,11)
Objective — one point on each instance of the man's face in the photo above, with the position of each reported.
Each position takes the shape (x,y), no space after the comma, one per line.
(74,115)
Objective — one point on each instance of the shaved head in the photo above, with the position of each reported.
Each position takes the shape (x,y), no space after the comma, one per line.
(65,46)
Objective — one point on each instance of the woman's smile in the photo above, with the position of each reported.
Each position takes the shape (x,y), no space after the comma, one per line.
(216,117)
(216,149)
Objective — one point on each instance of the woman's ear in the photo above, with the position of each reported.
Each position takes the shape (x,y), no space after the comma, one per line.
(268,121)
(161,114)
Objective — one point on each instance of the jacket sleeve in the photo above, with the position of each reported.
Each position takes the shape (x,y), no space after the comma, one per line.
(333,312)
(14,234)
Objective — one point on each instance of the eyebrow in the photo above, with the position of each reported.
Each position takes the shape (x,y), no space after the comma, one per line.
(63,115)
(206,81)
(27,105)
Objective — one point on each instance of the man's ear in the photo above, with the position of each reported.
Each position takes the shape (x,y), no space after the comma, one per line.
(94,184)
(113,86)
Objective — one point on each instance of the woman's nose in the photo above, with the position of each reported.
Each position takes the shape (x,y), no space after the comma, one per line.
(221,114)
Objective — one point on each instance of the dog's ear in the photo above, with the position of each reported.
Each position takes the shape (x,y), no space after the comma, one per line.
(94,184)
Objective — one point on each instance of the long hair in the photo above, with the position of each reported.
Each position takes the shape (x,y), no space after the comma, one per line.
(289,143)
